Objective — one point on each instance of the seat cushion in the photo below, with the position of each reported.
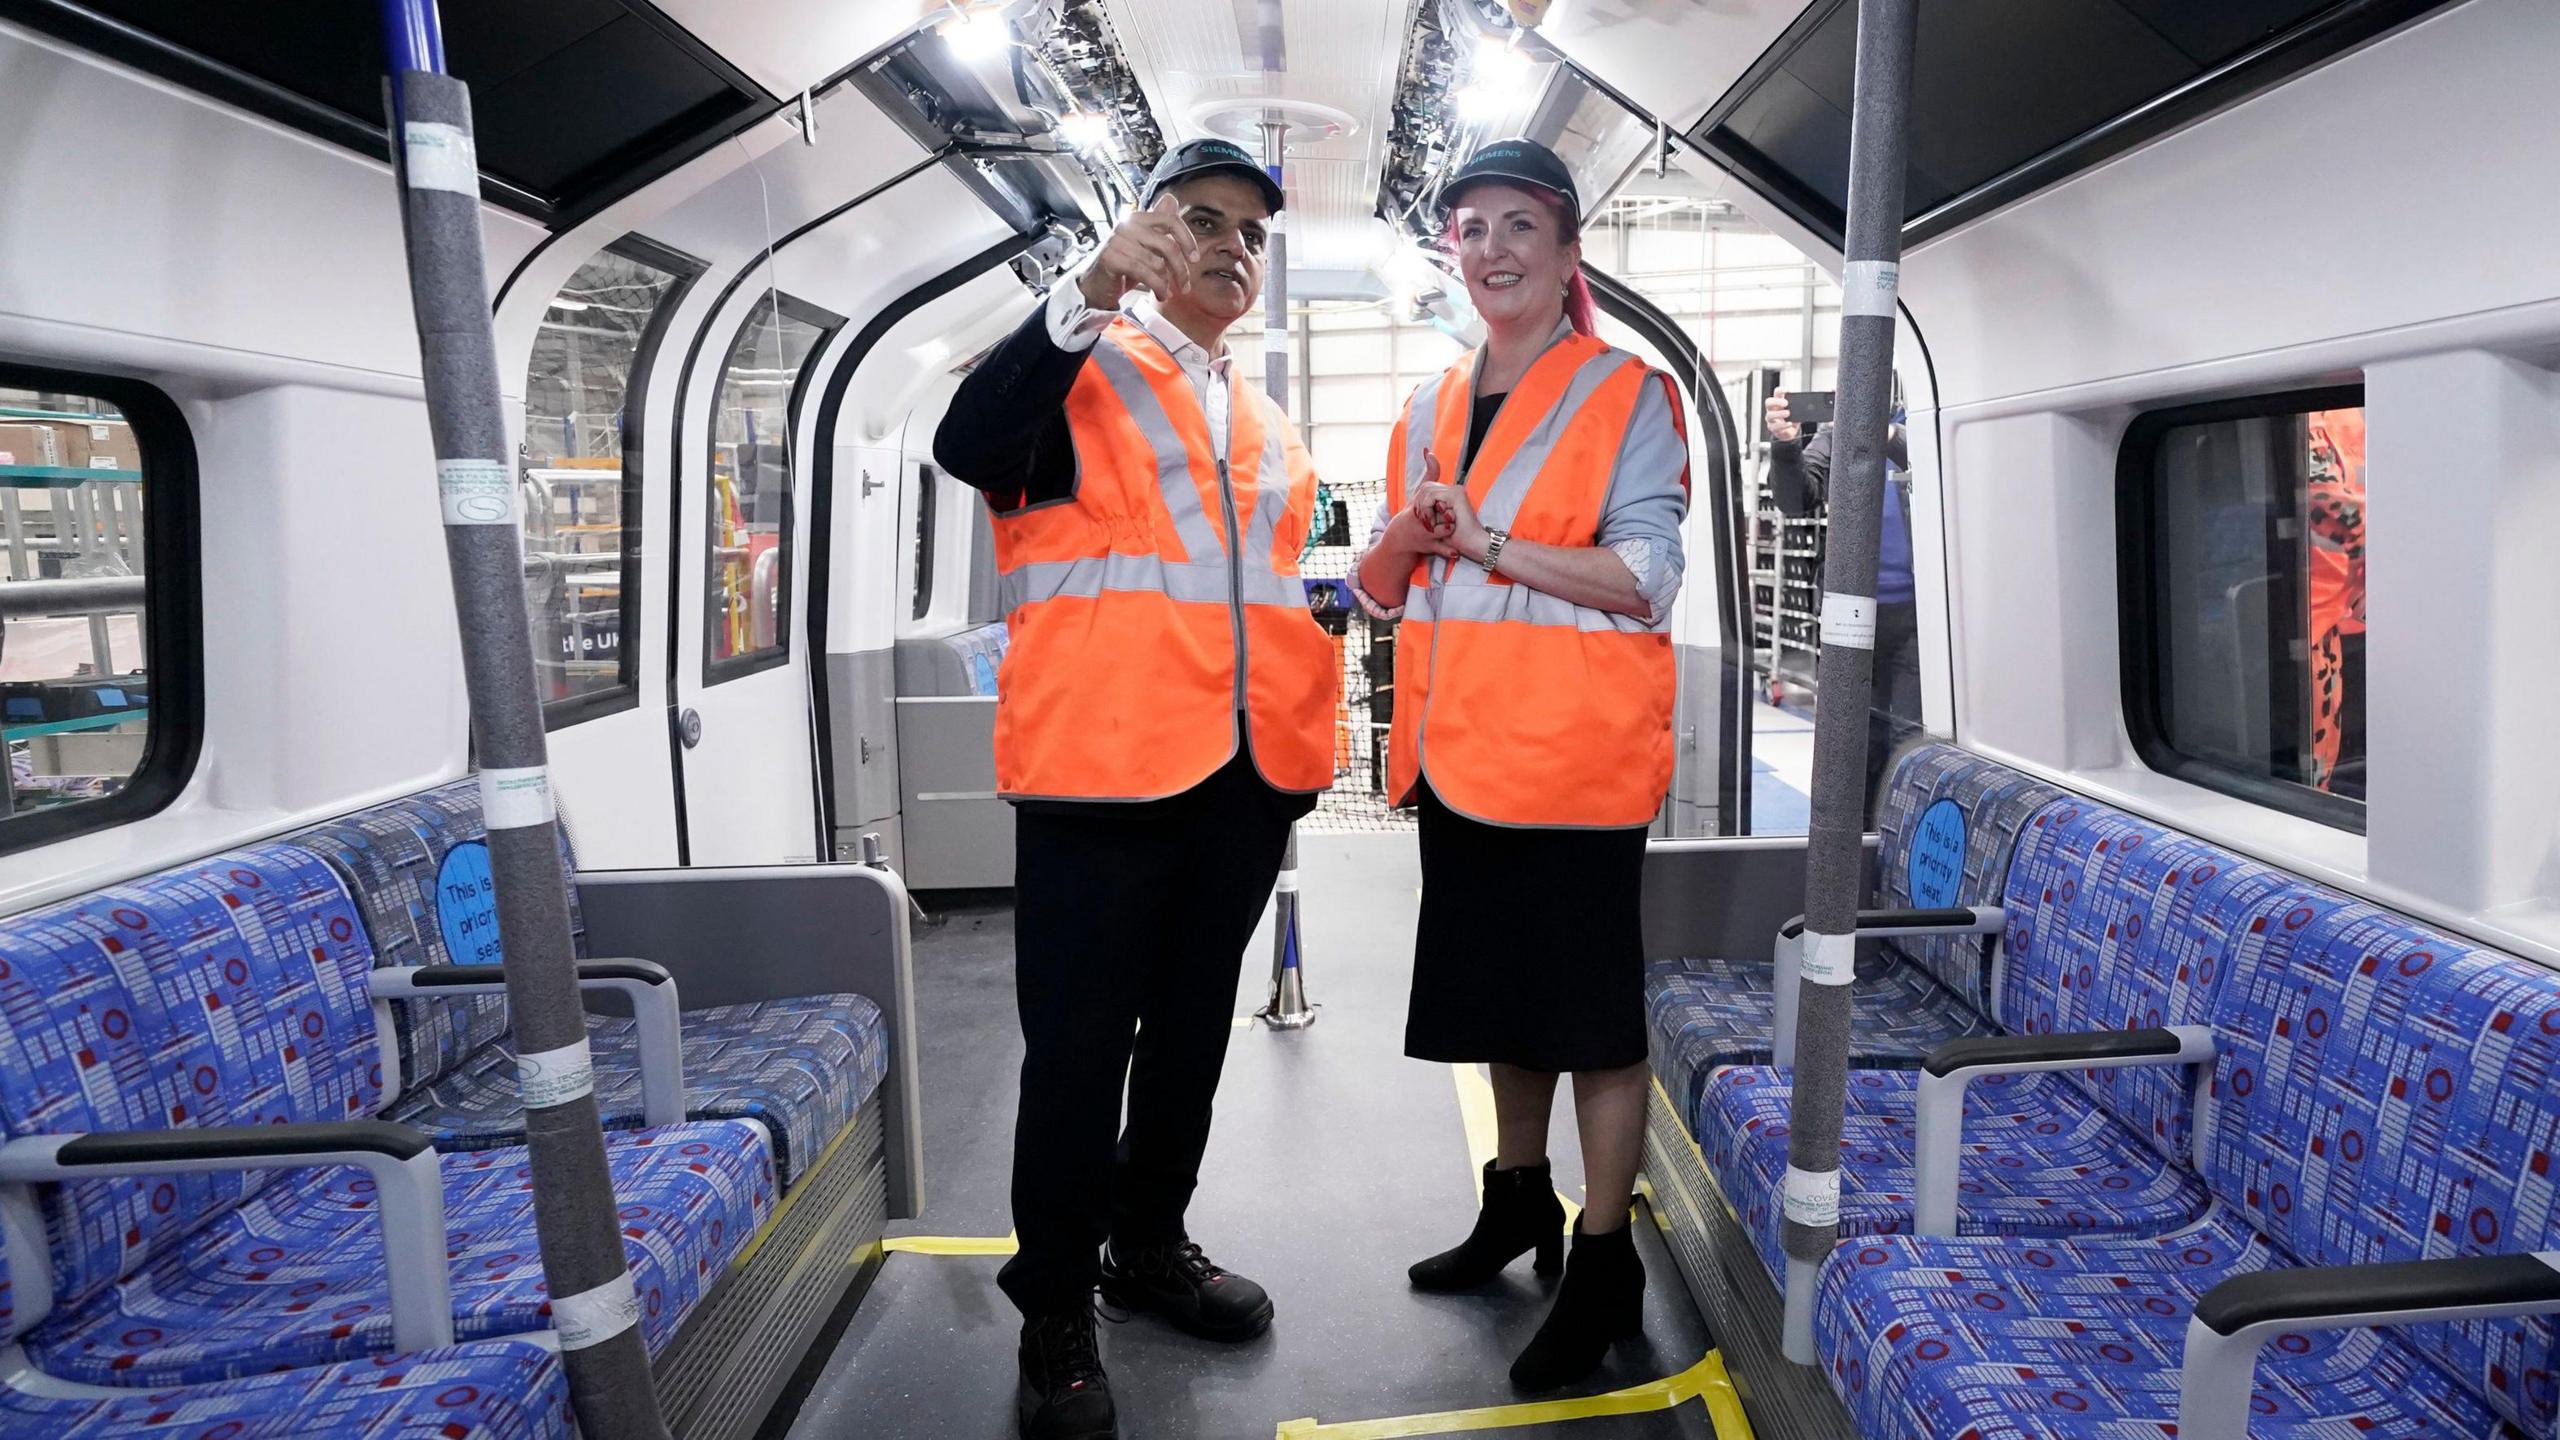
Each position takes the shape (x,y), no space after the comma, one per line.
(2039,1159)
(1706,1012)
(1986,1339)
(226,992)
(801,1067)
(493,1390)
(295,1276)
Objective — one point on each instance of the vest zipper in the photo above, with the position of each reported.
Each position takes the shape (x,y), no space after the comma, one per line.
(1235,582)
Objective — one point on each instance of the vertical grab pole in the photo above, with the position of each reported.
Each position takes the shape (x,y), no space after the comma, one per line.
(1835,871)
(593,1307)
(1286,1006)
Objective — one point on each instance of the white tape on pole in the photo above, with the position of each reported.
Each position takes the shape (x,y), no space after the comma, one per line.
(1830,959)
(1811,1198)
(1867,287)
(556,1077)
(592,1317)
(1848,620)
(515,799)
(477,492)
(440,157)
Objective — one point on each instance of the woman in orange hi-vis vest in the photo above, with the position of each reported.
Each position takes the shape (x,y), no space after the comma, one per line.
(1530,543)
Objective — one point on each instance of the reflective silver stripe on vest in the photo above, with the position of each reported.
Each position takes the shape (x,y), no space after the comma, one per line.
(1271,494)
(1419,417)
(1502,503)
(1200,537)
(1193,582)
(1493,604)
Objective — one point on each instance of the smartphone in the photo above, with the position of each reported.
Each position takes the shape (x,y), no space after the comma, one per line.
(1809,407)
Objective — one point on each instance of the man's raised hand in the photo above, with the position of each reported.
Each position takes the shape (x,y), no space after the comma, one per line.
(1151,250)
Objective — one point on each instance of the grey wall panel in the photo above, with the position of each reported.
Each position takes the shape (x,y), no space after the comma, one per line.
(1696,727)
(959,835)
(1724,896)
(862,701)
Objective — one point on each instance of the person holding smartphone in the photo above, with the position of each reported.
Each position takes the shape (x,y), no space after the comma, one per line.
(1800,481)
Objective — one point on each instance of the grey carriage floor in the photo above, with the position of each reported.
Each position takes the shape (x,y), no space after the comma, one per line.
(1336,1162)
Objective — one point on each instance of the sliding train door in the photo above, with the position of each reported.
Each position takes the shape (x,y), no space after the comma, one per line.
(741,721)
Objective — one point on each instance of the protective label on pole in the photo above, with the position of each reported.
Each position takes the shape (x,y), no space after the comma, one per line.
(1848,620)
(592,1317)
(477,492)
(440,157)
(515,799)
(556,1077)
(1867,287)
(1813,1199)
(1830,959)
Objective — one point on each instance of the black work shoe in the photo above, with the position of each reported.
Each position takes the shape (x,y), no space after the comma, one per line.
(1064,1394)
(1600,1303)
(1187,1288)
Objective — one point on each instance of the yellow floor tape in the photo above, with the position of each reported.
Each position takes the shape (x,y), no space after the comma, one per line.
(1705,1381)
(1005,1244)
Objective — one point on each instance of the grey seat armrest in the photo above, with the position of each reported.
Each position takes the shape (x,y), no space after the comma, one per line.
(732,936)
(1788,954)
(407,1183)
(1939,1140)
(646,984)
(2236,1318)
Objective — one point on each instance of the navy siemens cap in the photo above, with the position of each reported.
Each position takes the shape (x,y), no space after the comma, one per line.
(1520,161)
(1210,157)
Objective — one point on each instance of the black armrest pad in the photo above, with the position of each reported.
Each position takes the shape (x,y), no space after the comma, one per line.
(648,972)
(243,1142)
(2329,1291)
(1957,1055)
(1895,920)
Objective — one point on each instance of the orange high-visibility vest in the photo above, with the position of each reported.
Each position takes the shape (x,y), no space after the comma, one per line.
(1162,599)
(1522,708)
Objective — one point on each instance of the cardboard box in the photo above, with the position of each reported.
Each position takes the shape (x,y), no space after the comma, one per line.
(103,445)
(29,442)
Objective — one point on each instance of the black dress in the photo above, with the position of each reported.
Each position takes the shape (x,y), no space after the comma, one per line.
(1531,948)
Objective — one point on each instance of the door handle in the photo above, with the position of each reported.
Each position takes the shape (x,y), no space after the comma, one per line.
(689,727)
(869,484)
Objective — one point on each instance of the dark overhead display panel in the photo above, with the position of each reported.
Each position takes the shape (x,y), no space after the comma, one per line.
(573,99)
(2012,95)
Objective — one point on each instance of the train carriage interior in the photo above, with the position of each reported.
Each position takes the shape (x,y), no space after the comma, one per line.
(2194,1065)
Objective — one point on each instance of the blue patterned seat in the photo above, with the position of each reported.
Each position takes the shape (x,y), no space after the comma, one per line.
(2039,1159)
(2114,923)
(799,1067)
(1945,831)
(495,1390)
(2382,1093)
(232,992)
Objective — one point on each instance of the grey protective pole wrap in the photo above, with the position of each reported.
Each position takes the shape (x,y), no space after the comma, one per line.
(1835,865)
(592,1304)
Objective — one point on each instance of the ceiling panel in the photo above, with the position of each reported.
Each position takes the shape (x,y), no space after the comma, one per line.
(1195,55)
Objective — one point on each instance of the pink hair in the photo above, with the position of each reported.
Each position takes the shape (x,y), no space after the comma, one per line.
(1577,291)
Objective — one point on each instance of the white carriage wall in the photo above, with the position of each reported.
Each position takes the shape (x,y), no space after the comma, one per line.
(256,275)
(2305,235)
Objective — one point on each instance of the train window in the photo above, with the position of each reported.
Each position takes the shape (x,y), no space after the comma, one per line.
(747,599)
(99,686)
(928,487)
(582,474)
(2243,530)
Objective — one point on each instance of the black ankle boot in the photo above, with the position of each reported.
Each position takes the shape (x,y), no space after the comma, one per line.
(1520,1214)
(1600,1302)
(1064,1395)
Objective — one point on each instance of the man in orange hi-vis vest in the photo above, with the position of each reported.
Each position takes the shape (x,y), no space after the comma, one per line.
(1165,713)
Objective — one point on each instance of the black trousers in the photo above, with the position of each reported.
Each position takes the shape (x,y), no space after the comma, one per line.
(1130,924)
(1893,709)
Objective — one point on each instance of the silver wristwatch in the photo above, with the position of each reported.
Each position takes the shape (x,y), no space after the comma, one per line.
(1492,560)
